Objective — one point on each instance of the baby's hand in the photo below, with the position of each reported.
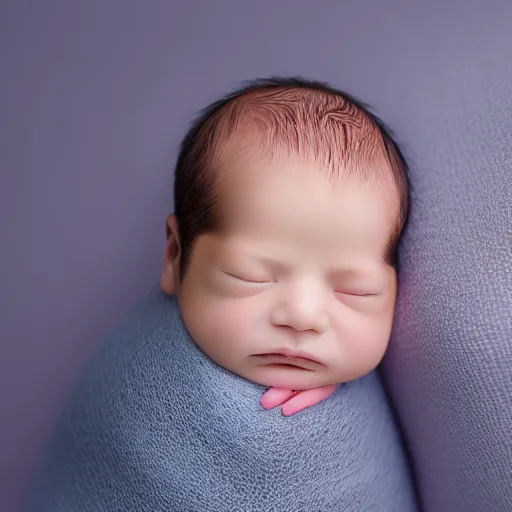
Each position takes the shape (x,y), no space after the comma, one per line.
(295,401)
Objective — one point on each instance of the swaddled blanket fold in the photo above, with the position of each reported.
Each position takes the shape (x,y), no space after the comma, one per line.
(155,425)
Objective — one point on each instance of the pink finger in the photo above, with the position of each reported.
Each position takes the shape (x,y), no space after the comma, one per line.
(304,399)
(274,397)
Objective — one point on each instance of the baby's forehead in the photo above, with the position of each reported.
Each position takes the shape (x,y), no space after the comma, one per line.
(258,186)
(268,184)
(293,212)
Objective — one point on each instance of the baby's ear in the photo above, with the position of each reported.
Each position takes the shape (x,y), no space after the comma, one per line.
(171,271)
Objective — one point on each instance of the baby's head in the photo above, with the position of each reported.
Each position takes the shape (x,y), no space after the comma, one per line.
(290,199)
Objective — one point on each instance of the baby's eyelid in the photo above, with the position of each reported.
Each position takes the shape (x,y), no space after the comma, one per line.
(354,294)
(246,280)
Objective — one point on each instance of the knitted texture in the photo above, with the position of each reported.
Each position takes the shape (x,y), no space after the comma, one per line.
(155,425)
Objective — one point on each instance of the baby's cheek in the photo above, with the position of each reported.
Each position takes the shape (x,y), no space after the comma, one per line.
(223,323)
(362,345)
(238,323)
(372,345)
(219,323)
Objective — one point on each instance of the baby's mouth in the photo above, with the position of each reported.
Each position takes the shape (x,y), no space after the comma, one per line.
(281,360)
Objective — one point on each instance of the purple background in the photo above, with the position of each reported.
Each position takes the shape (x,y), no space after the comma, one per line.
(95,97)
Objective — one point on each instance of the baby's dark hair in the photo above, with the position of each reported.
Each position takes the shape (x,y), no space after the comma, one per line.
(308,118)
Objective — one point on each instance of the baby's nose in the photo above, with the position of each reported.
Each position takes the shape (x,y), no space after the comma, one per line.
(301,311)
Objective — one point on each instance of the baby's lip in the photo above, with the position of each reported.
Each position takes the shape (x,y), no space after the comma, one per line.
(290,358)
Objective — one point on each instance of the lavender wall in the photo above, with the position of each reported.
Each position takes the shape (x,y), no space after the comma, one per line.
(94,99)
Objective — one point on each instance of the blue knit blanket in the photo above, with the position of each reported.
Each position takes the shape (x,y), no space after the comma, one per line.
(154,425)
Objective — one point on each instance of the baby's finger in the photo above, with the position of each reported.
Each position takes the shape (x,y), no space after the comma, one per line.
(274,397)
(304,399)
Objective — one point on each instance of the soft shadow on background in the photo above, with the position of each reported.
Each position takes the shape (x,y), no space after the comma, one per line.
(95,97)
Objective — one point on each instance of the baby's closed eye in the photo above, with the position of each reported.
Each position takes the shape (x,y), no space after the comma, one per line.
(248,278)
(355,292)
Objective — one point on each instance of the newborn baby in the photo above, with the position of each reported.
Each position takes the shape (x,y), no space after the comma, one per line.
(290,199)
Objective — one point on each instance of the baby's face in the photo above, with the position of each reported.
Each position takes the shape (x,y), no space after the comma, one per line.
(295,293)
